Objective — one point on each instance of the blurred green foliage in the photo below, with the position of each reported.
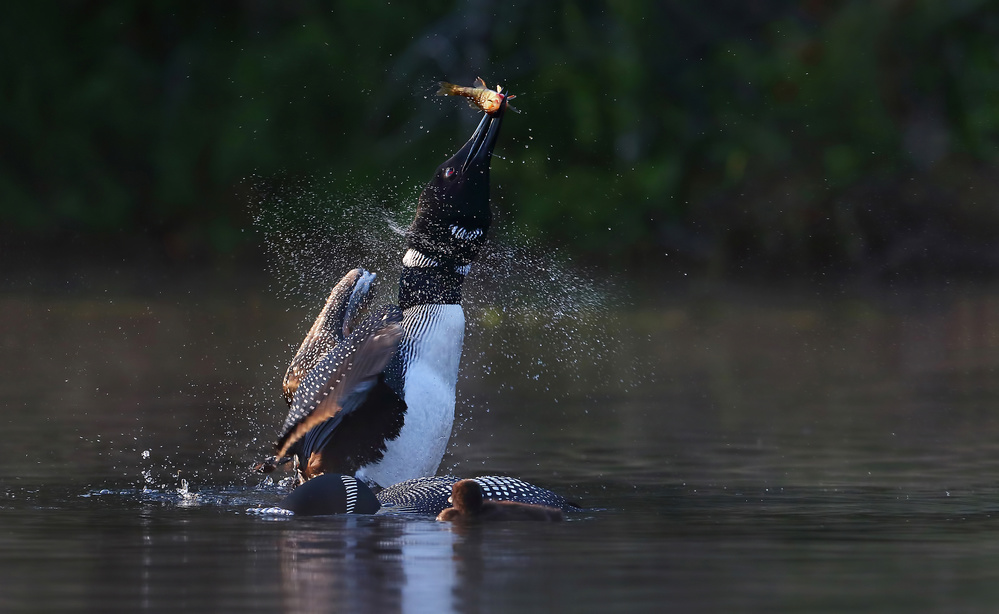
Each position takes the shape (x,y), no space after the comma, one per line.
(787,136)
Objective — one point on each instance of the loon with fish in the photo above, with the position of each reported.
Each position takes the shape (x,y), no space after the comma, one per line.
(374,397)
(479,95)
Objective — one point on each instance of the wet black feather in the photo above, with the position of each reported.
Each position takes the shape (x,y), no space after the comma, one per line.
(345,374)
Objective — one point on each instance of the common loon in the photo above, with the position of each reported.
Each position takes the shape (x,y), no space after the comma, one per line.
(376,400)
(343,494)
(469,503)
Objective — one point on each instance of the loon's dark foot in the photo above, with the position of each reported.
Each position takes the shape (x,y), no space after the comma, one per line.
(271,463)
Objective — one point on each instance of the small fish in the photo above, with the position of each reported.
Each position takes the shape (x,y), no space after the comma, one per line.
(478,97)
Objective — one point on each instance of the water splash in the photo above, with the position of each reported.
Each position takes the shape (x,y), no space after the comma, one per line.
(313,231)
(265,494)
(549,322)
(542,332)
(312,236)
(269,513)
(537,323)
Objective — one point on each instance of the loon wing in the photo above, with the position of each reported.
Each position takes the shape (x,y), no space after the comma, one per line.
(348,297)
(343,377)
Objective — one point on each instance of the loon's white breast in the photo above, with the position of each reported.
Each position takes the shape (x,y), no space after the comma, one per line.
(431,352)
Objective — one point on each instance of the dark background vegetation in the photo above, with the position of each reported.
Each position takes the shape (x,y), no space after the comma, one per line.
(789,138)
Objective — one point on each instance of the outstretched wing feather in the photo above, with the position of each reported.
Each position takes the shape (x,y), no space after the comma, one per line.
(355,362)
(325,333)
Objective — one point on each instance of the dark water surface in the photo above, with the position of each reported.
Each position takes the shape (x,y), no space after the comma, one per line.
(741,449)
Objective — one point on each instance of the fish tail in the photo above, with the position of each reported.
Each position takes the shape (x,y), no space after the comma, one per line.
(448,89)
(510,106)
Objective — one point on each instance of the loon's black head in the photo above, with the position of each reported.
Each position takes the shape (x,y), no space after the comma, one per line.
(453,214)
(466,496)
(329,494)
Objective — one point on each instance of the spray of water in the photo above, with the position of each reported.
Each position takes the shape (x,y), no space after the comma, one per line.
(535,320)
(539,328)
(312,237)
(537,323)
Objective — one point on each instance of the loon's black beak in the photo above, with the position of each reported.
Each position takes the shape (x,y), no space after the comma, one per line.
(476,153)
(452,214)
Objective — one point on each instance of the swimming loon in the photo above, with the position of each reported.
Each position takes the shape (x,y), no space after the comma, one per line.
(376,400)
(343,494)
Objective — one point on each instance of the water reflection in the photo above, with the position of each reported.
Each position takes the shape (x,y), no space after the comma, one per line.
(801,451)
(405,565)
(367,564)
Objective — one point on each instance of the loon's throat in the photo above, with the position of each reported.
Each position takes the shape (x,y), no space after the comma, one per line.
(429,286)
(455,242)
(430,280)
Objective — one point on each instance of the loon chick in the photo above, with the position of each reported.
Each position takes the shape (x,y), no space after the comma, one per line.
(468,504)
(377,400)
(430,495)
(343,494)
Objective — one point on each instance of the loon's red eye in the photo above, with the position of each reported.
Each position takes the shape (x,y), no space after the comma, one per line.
(449,172)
